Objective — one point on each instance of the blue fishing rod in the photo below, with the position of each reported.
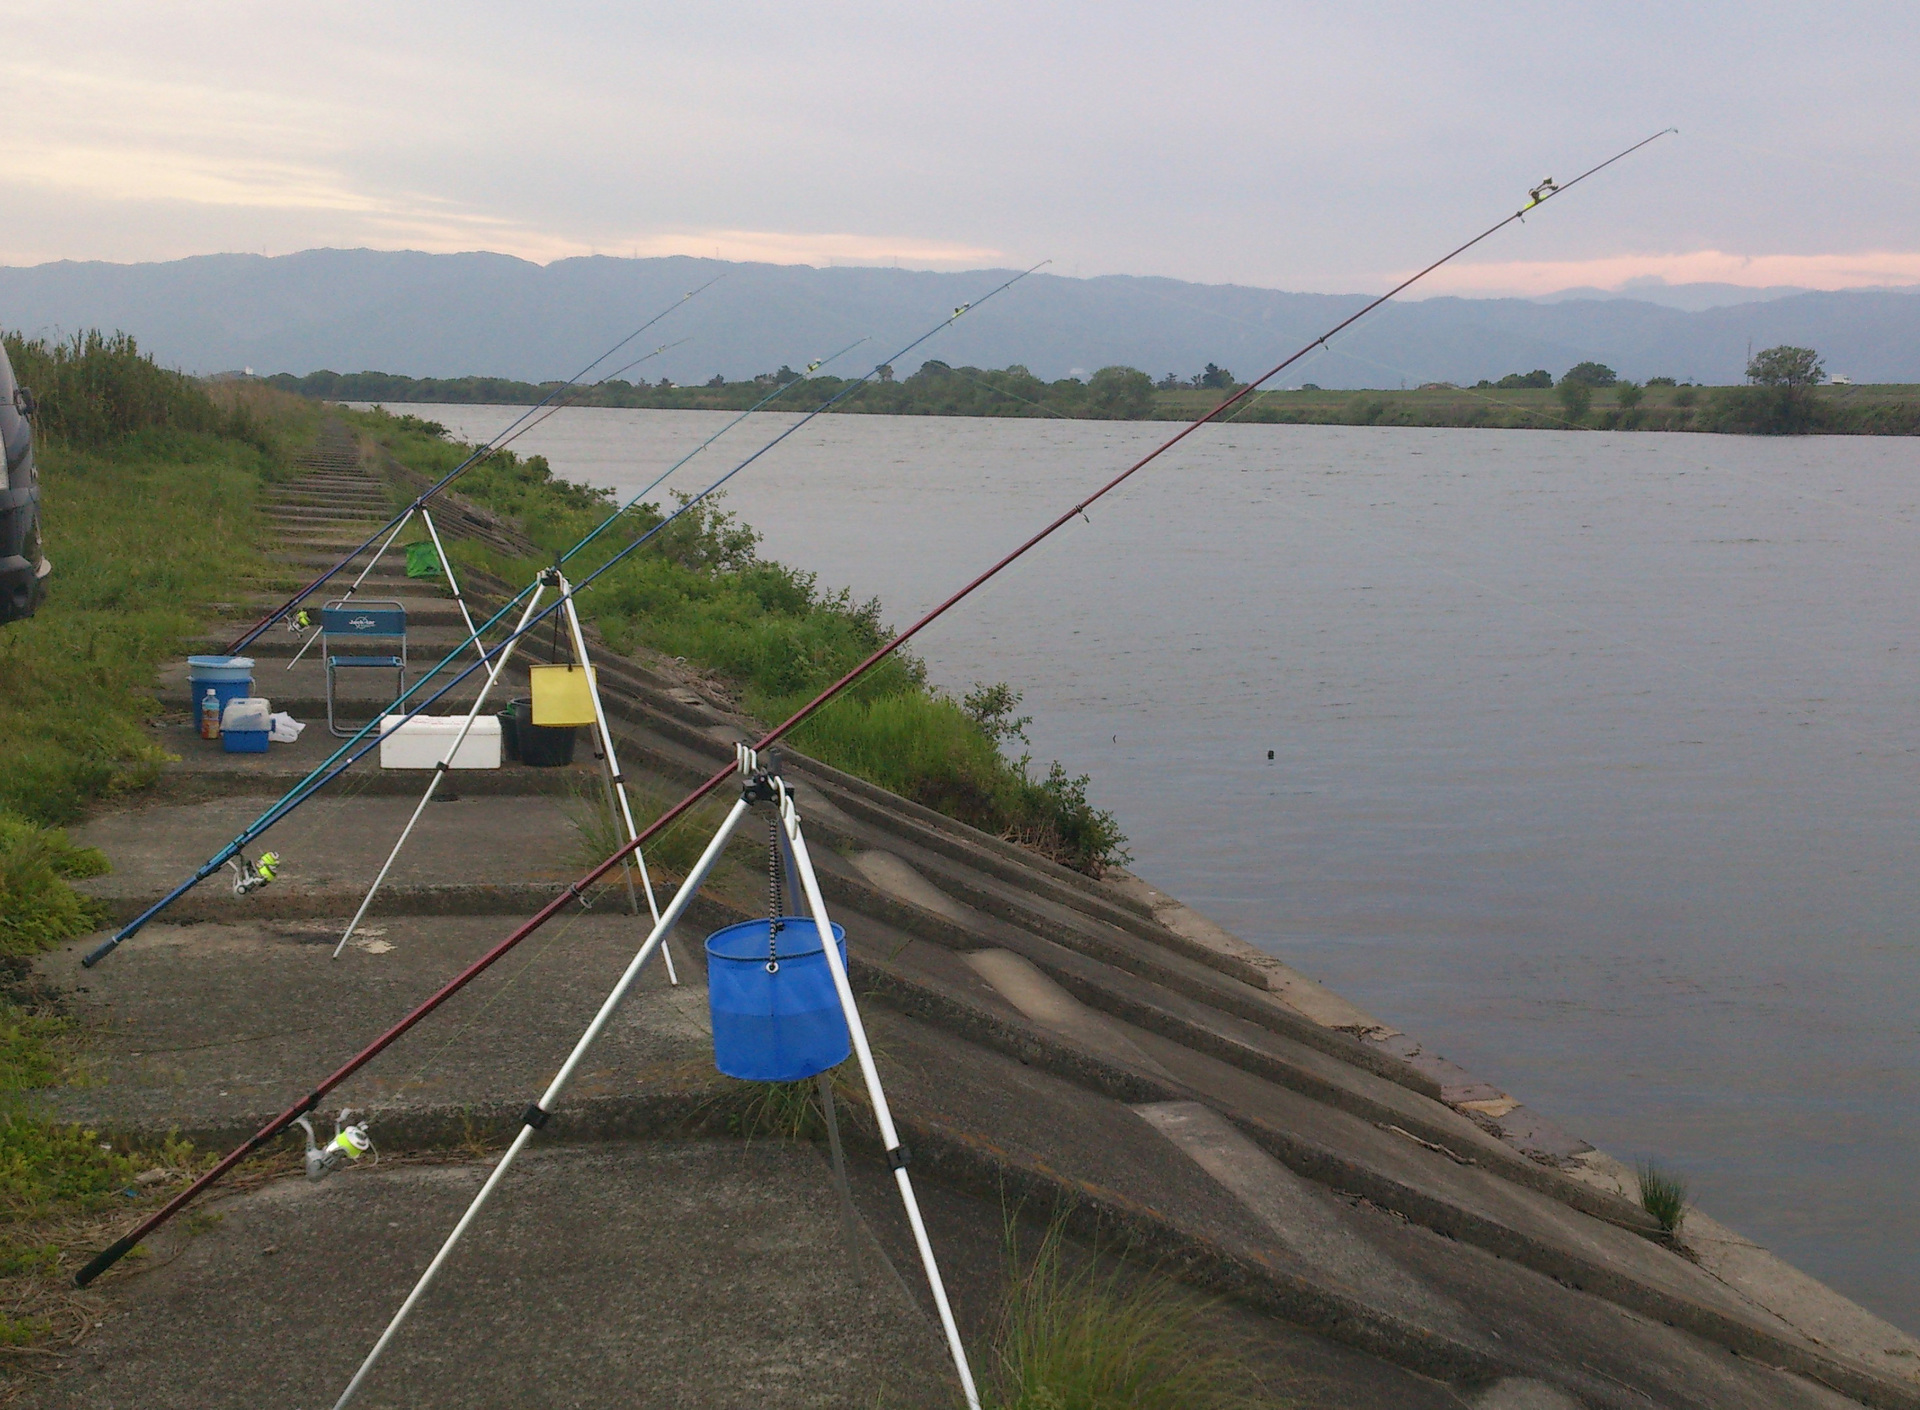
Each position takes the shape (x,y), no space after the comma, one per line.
(480,453)
(336,765)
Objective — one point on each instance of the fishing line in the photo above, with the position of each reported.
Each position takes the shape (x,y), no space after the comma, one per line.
(111,1255)
(479,453)
(319,777)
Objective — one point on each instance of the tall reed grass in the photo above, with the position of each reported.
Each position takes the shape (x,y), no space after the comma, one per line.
(97,388)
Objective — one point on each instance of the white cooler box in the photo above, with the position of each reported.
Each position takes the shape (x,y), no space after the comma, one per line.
(423,741)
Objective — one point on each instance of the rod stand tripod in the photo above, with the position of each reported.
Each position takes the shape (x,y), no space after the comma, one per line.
(550,580)
(763,787)
(418,507)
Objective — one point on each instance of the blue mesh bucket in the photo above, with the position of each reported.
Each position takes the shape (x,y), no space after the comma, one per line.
(779,1024)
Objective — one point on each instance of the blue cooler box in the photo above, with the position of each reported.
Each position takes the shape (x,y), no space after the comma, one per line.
(244,725)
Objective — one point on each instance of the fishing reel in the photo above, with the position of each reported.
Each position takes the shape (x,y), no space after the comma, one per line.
(349,1143)
(250,876)
(299,623)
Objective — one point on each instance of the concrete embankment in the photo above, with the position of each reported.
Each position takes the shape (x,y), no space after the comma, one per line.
(1384,1229)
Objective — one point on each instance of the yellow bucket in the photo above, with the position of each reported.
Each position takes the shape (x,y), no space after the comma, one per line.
(562,695)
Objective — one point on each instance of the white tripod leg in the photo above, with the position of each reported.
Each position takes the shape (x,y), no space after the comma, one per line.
(883,1118)
(446,563)
(537,1114)
(618,780)
(440,769)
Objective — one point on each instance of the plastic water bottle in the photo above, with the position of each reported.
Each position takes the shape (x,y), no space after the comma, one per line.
(210,716)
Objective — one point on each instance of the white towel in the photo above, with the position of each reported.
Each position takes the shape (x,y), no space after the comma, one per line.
(282,728)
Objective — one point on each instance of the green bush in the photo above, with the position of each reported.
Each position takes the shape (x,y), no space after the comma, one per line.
(96,388)
(1120,393)
(1766,411)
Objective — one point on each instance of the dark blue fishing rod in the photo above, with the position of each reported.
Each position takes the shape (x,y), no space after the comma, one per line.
(480,453)
(336,765)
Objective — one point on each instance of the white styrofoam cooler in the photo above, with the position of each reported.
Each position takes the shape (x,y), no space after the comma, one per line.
(423,741)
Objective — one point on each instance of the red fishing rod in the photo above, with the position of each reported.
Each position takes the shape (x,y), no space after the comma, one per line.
(107,1257)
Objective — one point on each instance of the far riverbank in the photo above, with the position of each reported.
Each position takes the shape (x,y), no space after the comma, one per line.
(1122,394)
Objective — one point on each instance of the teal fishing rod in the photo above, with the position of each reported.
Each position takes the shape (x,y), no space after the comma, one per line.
(348,754)
(480,453)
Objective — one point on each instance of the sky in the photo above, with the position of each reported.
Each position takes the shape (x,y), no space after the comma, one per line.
(1294,146)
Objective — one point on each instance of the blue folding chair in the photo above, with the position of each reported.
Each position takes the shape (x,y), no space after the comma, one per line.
(364,623)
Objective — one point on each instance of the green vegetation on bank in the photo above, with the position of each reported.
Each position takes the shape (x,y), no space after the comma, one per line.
(1075,1335)
(148,486)
(775,637)
(1587,397)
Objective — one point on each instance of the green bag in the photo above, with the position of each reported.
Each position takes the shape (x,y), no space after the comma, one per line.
(422,561)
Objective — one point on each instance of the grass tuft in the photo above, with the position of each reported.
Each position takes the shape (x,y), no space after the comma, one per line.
(1074,1337)
(1663,1195)
(37,908)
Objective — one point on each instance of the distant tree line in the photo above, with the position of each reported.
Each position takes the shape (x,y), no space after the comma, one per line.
(1779,398)
(936,389)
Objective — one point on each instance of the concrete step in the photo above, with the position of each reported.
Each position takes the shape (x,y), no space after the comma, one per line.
(357,504)
(314,488)
(206,771)
(425,644)
(746,1281)
(302,514)
(301,691)
(421,611)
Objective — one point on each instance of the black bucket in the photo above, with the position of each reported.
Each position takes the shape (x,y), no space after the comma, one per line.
(541,746)
(509,734)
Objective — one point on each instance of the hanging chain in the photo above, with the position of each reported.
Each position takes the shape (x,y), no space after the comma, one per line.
(773,893)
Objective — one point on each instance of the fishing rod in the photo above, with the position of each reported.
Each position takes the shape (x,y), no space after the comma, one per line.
(315,781)
(318,777)
(104,1260)
(481,452)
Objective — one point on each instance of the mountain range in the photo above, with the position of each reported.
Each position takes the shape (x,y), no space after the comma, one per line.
(451,315)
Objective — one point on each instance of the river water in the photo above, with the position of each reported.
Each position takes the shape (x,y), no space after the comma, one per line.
(1595,756)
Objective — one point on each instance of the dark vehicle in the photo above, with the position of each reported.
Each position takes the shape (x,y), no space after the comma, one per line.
(23,567)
